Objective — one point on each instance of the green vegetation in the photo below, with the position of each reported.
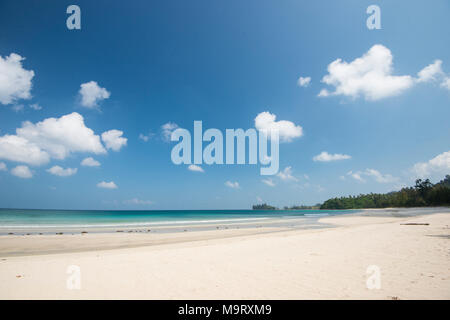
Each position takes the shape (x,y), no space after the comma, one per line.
(302,207)
(423,194)
(263,206)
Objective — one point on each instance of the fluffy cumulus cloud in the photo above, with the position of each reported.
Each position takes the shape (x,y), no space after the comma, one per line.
(3,166)
(61,172)
(434,73)
(107,185)
(37,143)
(303,81)
(446,83)
(113,139)
(61,136)
(354,175)
(90,162)
(22,172)
(379,177)
(195,168)
(431,72)
(19,149)
(15,81)
(369,76)
(374,174)
(167,129)
(324,93)
(92,94)
(286,175)
(266,122)
(136,201)
(233,185)
(437,167)
(327,157)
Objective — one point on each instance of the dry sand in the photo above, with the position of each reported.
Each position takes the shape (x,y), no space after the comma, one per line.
(414,262)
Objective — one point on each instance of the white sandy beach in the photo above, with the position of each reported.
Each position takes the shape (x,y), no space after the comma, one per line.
(414,261)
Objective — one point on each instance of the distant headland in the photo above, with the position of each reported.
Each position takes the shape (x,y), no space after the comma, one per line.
(422,194)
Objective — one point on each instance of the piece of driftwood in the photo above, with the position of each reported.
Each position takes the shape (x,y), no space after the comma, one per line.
(415,224)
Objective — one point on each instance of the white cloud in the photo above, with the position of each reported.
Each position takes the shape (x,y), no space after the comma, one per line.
(61,136)
(167,130)
(446,83)
(375,174)
(326,157)
(15,148)
(137,201)
(196,168)
(22,172)
(90,162)
(434,73)
(143,137)
(287,130)
(323,93)
(303,81)
(437,167)
(269,182)
(3,166)
(233,185)
(286,174)
(147,137)
(356,176)
(113,139)
(91,94)
(51,138)
(430,72)
(35,106)
(15,81)
(56,138)
(107,185)
(369,76)
(61,172)
(259,199)
(379,177)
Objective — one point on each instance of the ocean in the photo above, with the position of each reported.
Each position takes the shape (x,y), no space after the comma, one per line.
(51,221)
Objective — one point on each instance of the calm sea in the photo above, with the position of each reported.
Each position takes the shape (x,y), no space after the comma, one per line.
(32,220)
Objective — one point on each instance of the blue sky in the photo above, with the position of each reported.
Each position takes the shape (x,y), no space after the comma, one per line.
(225,62)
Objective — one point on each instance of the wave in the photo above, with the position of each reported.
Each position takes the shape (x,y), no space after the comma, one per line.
(316,214)
(133,224)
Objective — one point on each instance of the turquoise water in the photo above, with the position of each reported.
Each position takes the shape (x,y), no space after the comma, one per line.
(18,219)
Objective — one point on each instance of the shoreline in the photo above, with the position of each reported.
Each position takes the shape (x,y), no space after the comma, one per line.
(167,226)
(70,241)
(267,263)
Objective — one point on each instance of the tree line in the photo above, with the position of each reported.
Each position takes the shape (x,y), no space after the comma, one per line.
(265,206)
(422,194)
